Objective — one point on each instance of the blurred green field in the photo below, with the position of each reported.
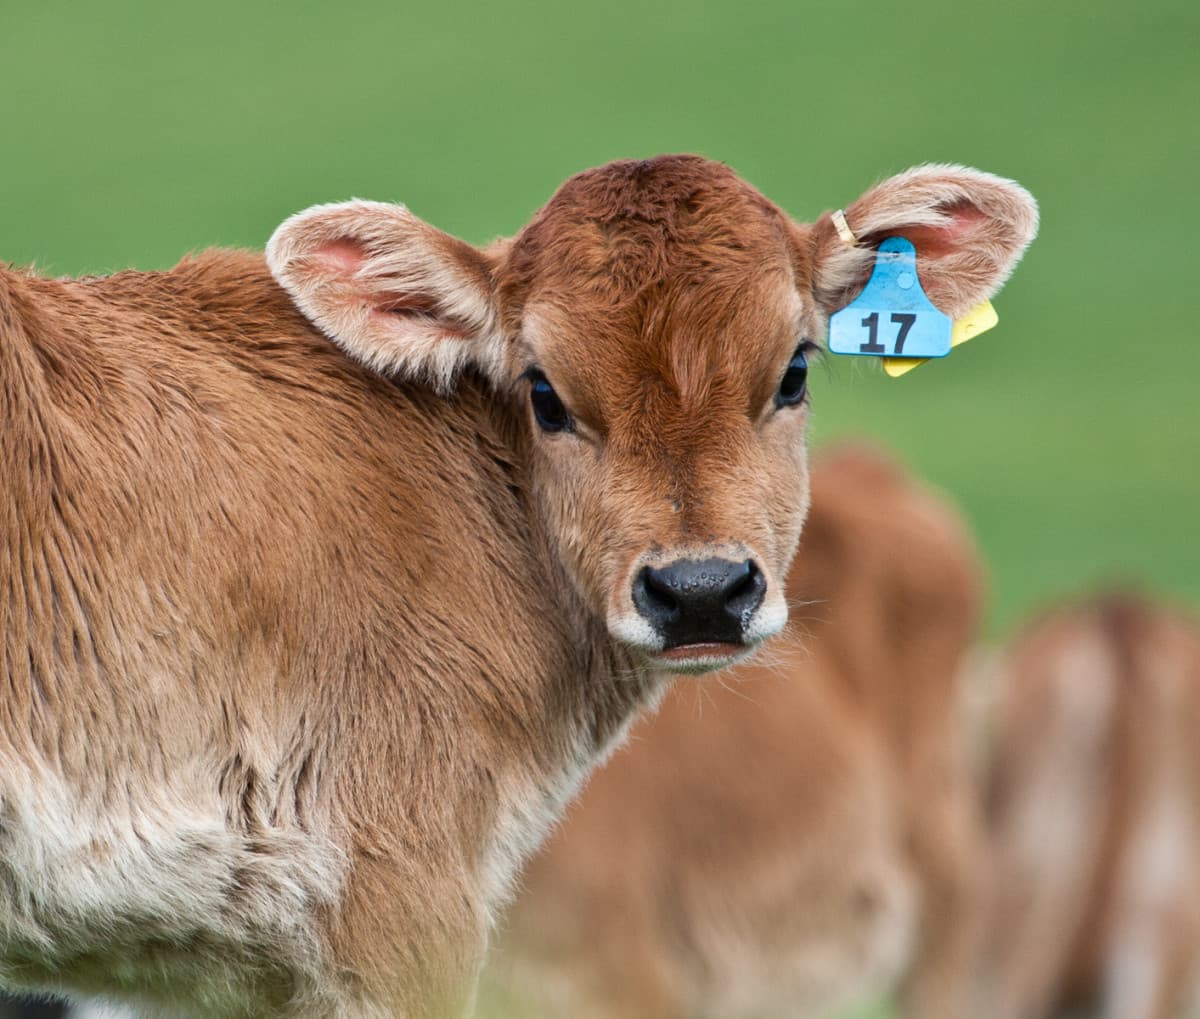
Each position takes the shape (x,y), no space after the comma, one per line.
(134,132)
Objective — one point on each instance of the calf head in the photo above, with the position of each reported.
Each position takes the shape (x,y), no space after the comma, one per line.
(654,322)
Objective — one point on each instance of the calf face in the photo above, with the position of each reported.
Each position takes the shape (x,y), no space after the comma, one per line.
(655,319)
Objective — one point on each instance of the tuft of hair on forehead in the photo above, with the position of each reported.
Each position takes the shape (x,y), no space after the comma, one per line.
(631,224)
(665,190)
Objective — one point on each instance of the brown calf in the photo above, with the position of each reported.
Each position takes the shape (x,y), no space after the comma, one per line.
(300,661)
(804,834)
(1095,811)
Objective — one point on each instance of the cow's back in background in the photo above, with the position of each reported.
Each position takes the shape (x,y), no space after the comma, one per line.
(1094,814)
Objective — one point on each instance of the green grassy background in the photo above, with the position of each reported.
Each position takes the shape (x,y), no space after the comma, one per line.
(134,132)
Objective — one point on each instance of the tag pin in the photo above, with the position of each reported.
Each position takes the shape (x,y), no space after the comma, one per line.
(843,228)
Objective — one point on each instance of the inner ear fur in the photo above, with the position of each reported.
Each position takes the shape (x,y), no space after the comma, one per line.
(970,230)
(395,293)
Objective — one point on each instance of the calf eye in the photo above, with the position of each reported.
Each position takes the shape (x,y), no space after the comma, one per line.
(551,415)
(794,384)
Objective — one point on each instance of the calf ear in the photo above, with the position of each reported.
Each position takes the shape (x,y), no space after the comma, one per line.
(395,293)
(969,228)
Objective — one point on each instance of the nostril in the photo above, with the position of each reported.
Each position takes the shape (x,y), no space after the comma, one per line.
(746,589)
(740,579)
(653,597)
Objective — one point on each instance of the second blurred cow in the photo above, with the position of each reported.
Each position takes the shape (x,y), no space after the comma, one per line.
(801,837)
(1095,806)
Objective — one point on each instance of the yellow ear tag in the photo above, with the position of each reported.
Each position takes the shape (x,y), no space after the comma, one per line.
(978,320)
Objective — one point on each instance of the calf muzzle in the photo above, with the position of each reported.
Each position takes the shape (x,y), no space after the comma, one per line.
(700,601)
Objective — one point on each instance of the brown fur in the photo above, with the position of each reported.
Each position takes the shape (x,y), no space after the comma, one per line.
(1096,814)
(816,807)
(299,662)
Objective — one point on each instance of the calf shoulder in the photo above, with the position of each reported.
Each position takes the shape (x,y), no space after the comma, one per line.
(267,617)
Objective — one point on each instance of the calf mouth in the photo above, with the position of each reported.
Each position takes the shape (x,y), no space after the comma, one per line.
(699,658)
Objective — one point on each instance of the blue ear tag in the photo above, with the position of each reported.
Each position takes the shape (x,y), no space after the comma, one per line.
(892,317)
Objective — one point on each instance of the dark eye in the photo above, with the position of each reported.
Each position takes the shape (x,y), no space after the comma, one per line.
(551,415)
(795,380)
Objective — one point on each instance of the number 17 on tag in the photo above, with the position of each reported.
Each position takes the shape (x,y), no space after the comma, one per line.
(892,317)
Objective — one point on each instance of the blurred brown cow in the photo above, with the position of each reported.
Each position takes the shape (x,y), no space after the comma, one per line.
(1095,810)
(802,836)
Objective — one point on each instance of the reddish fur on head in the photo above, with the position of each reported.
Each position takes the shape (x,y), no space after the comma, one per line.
(661,299)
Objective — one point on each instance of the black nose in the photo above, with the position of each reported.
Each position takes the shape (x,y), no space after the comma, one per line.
(700,601)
